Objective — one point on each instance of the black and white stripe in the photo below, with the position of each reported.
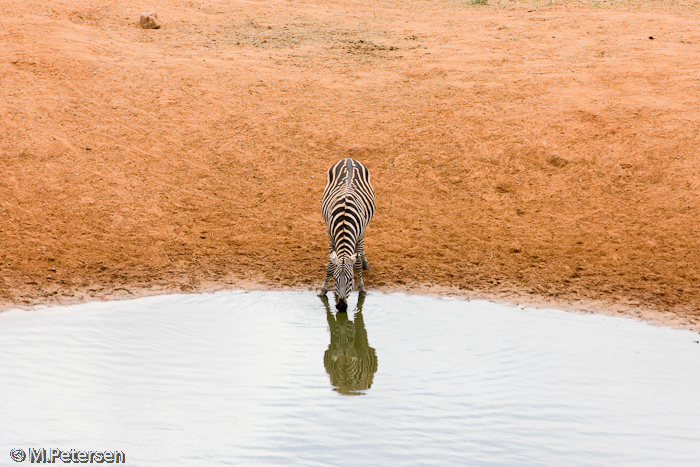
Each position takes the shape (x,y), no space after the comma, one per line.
(349,360)
(347,207)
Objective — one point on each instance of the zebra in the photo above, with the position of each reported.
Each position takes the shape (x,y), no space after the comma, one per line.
(347,207)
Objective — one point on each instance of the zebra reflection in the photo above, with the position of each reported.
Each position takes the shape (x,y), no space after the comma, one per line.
(349,360)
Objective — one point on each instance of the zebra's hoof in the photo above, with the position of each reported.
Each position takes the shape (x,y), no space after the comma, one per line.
(322,292)
(363,292)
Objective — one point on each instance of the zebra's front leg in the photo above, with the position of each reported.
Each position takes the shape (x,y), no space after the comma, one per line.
(358,266)
(360,249)
(329,273)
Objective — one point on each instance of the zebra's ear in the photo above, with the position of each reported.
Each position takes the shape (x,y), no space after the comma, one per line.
(353,258)
(334,258)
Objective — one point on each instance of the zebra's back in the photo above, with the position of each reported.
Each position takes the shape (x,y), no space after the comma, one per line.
(347,205)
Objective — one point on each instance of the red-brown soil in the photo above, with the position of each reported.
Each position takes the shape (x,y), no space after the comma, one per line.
(519,151)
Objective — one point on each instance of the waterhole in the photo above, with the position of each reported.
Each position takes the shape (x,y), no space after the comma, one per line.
(281,378)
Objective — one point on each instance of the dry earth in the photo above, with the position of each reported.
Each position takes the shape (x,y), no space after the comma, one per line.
(520,151)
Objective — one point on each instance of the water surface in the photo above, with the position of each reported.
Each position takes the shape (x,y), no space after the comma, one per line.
(279,378)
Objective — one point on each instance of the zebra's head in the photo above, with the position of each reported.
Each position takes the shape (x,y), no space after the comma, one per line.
(344,278)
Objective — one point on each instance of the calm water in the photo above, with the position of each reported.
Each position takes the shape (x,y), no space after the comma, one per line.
(275,378)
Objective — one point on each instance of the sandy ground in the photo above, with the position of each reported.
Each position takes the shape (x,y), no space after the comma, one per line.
(520,151)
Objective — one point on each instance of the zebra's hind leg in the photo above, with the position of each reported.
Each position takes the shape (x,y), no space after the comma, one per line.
(358,266)
(329,273)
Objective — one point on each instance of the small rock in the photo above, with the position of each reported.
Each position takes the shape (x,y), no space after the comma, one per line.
(150,20)
(557,161)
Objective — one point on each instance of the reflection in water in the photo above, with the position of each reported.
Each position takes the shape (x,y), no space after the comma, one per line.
(232,378)
(349,360)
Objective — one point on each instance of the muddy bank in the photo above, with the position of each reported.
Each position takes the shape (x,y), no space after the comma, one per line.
(539,153)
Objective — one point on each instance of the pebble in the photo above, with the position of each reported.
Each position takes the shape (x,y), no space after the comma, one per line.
(150,20)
